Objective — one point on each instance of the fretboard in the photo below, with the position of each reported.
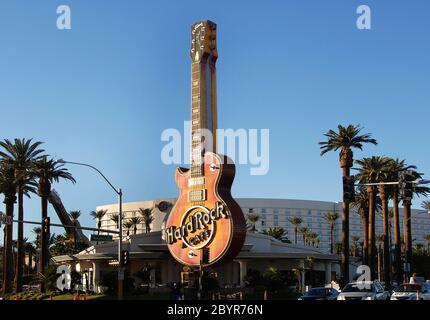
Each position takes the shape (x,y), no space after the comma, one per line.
(196,121)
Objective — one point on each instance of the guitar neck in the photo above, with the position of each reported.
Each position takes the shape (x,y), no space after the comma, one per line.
(203,97)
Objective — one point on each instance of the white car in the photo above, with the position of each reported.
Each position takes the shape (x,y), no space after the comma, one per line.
(412,291)
(364,290)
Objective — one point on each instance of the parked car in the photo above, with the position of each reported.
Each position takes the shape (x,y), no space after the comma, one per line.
(412,291)
(364,290)
(320,294)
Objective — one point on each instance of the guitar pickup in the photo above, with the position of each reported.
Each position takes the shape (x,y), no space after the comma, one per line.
(196,195)
(196,181)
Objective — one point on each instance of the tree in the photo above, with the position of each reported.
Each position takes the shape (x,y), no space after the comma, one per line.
(355,239)
(253,218)
(30,250)
(395,167)
(345,139)
(374,170)
(8,189)
(135,221)
(296,222)
(331,217)
(304,232)
(426,205)
(276,232)
(147,218)
(48,171)
(361,204)
(427,239)
(380,240)
(74,215)
(99,215)
(114,217)
(128,225)
(418,191)
(21,155)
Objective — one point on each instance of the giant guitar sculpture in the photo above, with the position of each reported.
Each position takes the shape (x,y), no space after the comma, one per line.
(206,226)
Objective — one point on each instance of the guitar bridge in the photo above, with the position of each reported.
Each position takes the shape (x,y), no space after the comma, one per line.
(197,195)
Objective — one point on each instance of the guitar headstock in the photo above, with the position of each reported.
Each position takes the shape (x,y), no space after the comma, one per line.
(203,41)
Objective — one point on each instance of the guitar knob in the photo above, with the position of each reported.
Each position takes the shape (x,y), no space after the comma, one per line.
(213,167)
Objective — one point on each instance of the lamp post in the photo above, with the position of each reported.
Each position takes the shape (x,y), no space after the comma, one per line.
(119,193)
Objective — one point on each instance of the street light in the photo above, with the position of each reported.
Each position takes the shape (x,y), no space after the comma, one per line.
(119,193)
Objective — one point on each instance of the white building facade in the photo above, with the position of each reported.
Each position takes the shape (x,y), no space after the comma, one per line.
(275,213)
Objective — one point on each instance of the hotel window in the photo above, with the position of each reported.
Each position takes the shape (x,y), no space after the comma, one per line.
(251,210)
(275,217)
(276,223)
(263,223)
(309,212)
(275,210)
(263,216)
(298,212)
(263,210)
(287,211)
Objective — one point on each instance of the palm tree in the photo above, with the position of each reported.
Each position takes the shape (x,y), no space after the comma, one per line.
(21,154)
(426,205)
(312,238)
(331,217)
(374,170)
(276,232)
(427,239)
(37,232)
(8,189)
(304,231)
(338,247)
(135,221)
(345,139)
(395,167)
(380,239)
(147,218)
(355,239)
(99,215)
(361,203)
(30,250)
(114,217)
(48,171)
(74,215)
(253,219)
(128,225)
(296,222)
(407,203)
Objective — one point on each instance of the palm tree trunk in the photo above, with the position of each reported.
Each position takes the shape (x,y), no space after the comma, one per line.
(295,235)
(43,261)
(408,235)
(345,235)
(397,244)
(20,243)
(365,219)
(379,262)
(385,213)
(371,227)
(7,246)
(331,237)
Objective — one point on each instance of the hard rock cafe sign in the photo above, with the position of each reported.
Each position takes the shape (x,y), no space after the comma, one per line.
(197,226)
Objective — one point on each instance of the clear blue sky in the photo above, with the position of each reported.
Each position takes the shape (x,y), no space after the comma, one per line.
(103,92)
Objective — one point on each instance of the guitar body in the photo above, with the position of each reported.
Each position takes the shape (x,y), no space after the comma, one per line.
(224,234)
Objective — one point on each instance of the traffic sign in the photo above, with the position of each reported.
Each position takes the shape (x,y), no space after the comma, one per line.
(101,237)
